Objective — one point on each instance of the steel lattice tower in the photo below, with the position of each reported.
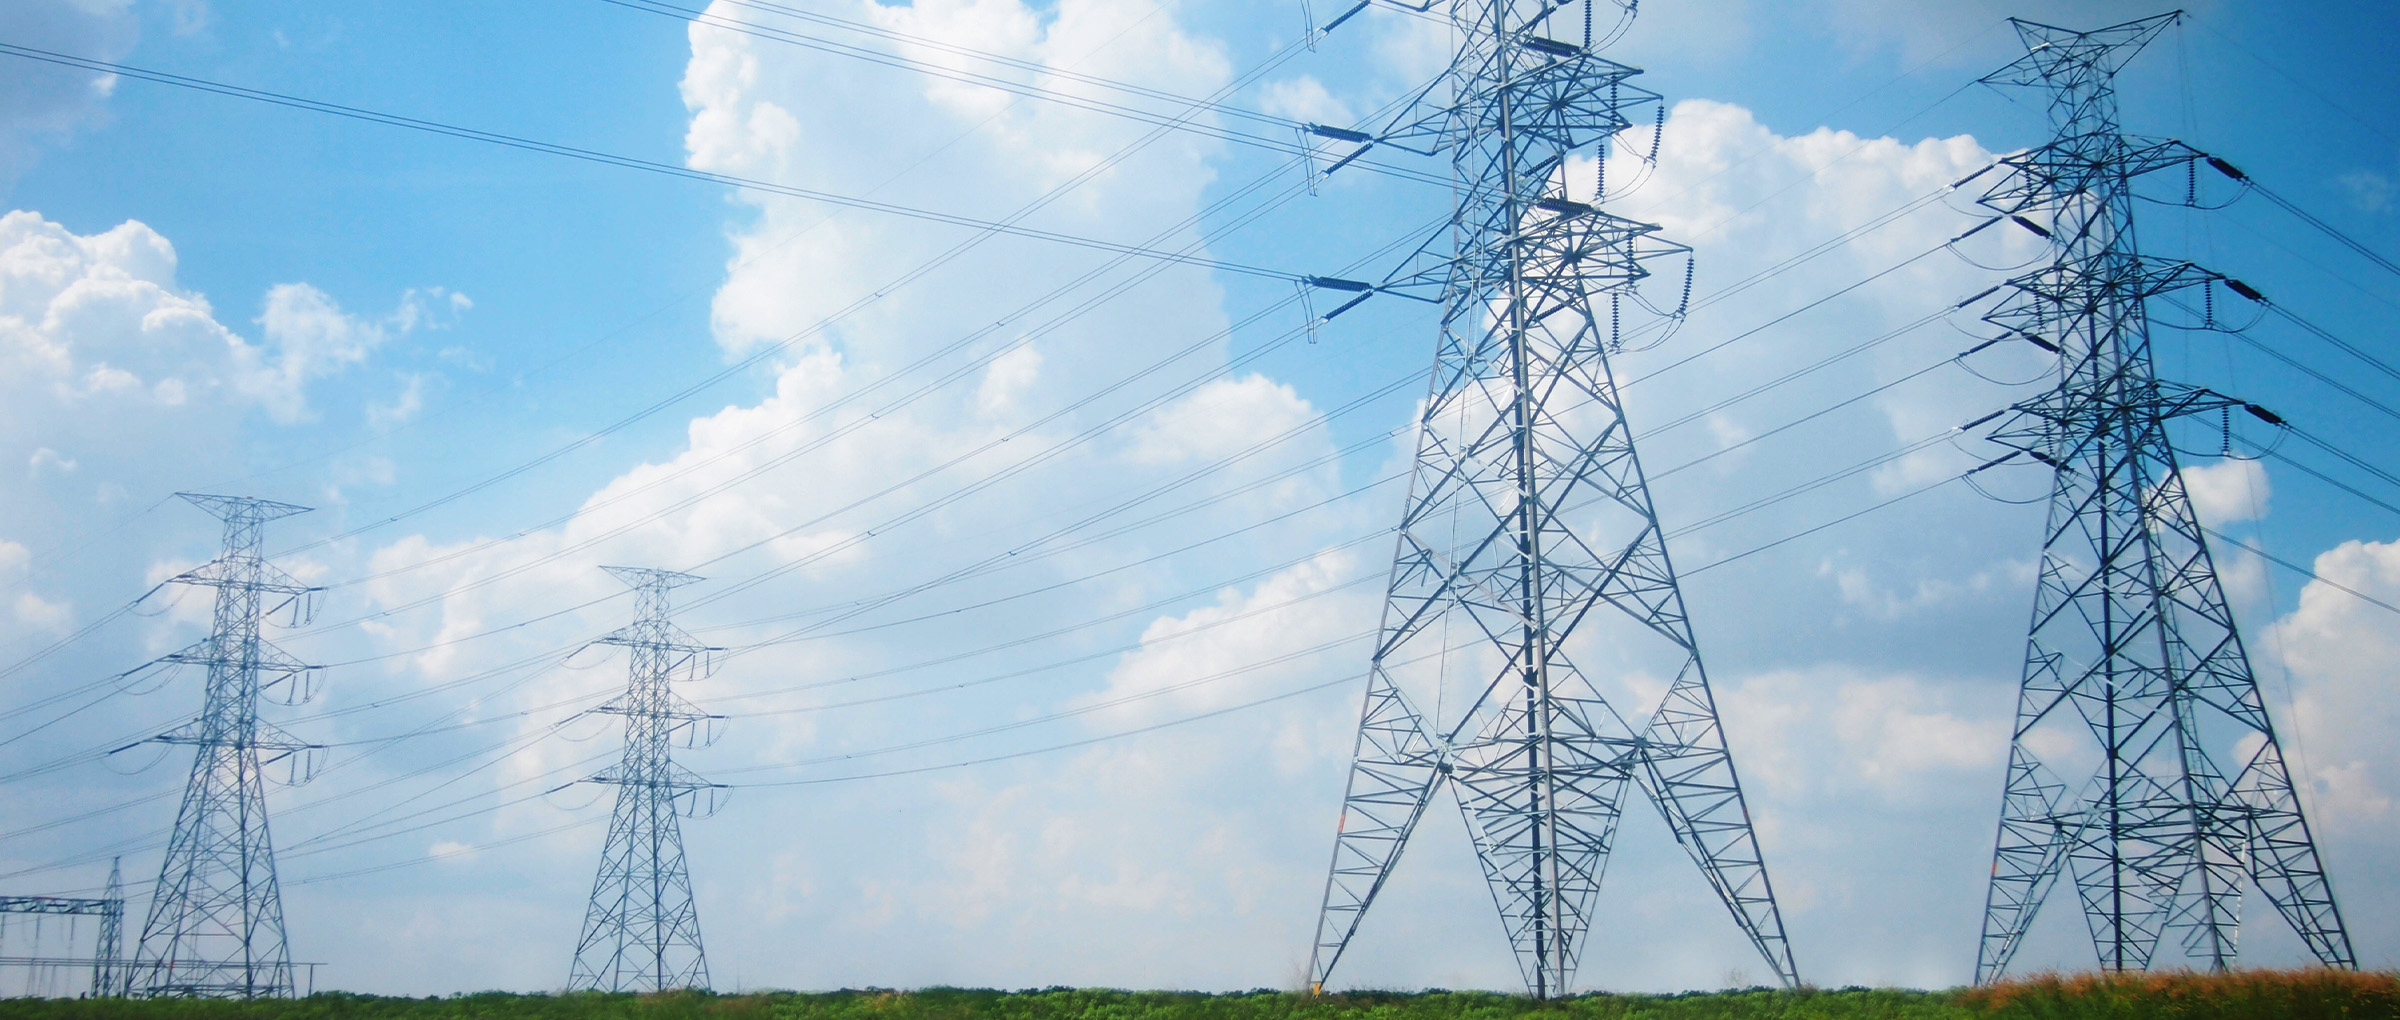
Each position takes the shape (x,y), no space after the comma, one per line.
(2133,660)
(108,966)
(1529,526)
(215,927)
(642,931)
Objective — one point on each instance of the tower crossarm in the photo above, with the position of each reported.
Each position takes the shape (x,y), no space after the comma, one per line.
(2043,178)
(249,574)
(259,654)
(75,906)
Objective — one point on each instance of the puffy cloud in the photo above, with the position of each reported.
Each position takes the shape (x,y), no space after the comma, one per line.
(403,406)
(1006,380)
(754,111)
(308,336)
(2227,491)
(1221,419)
(2368,191)
(1210,658)
(116,379)
(1860,589)
(76,311)
(98,321)
(2338,648)
(2325,670)
(1833,733)
(43,614)
(1305,99)
(47,459)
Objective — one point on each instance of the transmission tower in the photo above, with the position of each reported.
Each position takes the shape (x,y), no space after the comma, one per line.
(107,961)
(1529,532)
(642,931)
(215,927)
(2135,675)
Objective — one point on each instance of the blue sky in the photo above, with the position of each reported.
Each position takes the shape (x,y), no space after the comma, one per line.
(213,294)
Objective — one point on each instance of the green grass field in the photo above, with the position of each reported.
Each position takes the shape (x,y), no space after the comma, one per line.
(2303,995)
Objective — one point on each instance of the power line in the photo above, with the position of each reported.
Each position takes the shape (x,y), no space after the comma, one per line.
(634,163)
(2302,571)
(1068,99)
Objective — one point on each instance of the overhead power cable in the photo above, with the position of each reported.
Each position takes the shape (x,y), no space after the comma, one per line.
(814,414)
(2312,439)
(757,470)
(1844,519)
(2303,215)
(53,647)
(634,163)
(1143,644)
(1018,63)
(526,740)
(1818,250)
(1067,746)
(2332,481)
(2335,384)
(989,759)
(1813,484)
(894,285)
(1785,317)
(1378,440)
(2300,570)
(1287,146)
(825,323)
(2321,333)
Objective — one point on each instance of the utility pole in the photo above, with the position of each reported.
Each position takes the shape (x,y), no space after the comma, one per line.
(2135,676)
(215,928)
(1529,531)
(642,930)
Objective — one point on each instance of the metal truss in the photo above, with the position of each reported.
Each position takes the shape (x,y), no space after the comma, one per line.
(1529,521)
(2134,669)
(215,927)
(642,931)
(108,964)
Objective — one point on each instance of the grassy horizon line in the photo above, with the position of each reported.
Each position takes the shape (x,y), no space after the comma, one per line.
(2299,994)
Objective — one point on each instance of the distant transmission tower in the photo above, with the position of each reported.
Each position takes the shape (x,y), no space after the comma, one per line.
(642,932)
(1529,533)
(2133,664)
(108,963)
(215,927)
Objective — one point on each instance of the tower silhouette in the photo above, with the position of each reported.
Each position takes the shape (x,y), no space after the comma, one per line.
(1529,533)
(215,927)
(108,958)
(2136,683)
(642,930)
